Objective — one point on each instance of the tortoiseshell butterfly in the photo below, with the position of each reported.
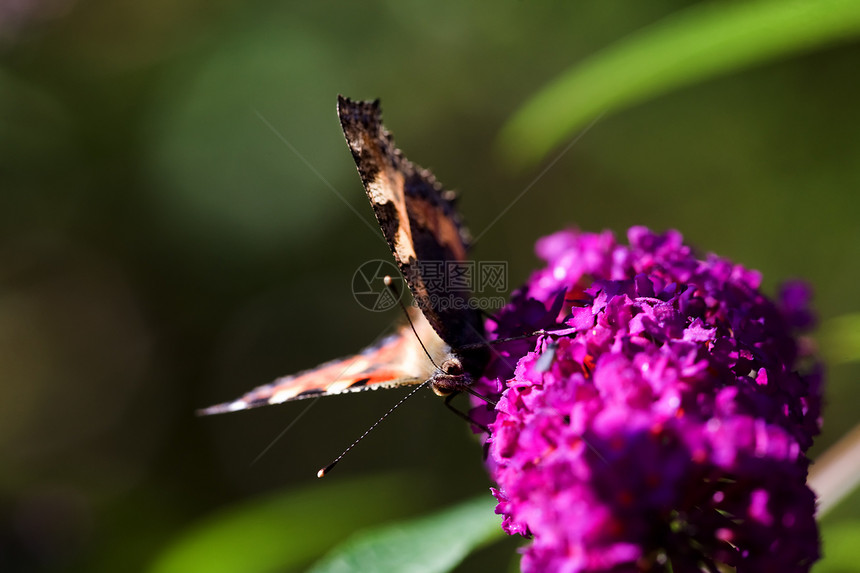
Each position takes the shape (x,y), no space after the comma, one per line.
(420,223)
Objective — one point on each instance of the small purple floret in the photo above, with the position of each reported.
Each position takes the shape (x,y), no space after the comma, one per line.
(666,428)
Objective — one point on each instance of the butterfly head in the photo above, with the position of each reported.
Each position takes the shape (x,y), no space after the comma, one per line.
(450,377)
(455,372)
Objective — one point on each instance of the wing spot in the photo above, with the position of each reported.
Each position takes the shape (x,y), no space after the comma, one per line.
(359,383)
(307,393)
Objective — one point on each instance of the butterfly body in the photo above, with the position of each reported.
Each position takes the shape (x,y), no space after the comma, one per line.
(420,223)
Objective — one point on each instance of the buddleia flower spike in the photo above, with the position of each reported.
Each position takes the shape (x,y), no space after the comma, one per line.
(667,428)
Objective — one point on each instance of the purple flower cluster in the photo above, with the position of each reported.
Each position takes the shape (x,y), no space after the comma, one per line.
(664,424)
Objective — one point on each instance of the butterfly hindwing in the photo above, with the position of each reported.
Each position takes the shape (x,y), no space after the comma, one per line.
(418,219)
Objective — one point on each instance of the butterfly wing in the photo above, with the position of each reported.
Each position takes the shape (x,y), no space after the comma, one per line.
(418,219)
(421,225)
(398,360)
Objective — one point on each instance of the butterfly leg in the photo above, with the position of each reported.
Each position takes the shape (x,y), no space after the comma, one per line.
(462,414)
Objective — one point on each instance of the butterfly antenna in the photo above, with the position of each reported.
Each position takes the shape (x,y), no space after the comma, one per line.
(329,467)
(389,283)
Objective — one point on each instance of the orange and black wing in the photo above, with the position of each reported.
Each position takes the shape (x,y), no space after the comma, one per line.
(418,219)
(398,360)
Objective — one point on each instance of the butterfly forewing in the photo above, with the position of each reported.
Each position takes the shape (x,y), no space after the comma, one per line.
(418,219)
(398,360)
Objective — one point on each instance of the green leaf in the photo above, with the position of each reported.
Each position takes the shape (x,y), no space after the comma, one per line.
(698,43)
(288,529)
(841,551)
(427,545)
(840,339)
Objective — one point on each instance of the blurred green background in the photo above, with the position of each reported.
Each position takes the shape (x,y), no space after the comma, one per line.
(172,234)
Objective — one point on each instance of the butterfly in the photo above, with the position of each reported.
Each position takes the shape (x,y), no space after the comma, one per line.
(418,218)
